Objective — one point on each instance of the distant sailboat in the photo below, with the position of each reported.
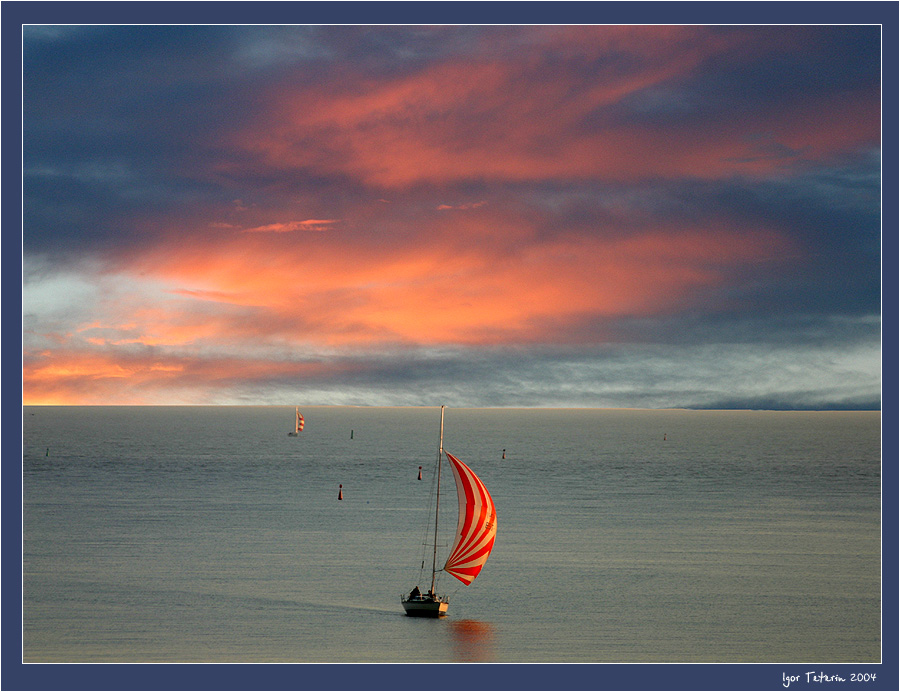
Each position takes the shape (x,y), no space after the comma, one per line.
(298,424)
(476,529)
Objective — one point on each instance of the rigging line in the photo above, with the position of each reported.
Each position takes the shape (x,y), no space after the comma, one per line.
(429,511)
(429,540)
(425,543)
(437,503)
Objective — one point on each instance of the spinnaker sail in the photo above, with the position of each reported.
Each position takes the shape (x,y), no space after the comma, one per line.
(298,423)
(476,527)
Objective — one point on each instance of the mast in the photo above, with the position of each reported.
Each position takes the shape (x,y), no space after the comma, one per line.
(437,502)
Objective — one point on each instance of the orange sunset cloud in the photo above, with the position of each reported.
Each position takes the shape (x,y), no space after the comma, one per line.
(290,226)
(516,120)
(474,281)
(82,376)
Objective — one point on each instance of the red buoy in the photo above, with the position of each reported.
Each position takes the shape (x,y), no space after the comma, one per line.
(340,492)
(420,473)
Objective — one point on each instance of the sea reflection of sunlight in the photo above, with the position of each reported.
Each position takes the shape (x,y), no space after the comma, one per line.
(472,640)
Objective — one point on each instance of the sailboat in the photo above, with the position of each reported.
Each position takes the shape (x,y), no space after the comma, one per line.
(476,529)
(298,424)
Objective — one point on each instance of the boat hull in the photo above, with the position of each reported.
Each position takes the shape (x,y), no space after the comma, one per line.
(294,434)
(425,609)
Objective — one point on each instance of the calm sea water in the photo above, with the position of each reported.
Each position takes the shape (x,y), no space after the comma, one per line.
(207,534)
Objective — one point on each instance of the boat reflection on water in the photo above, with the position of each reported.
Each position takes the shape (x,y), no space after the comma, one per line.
(473,640)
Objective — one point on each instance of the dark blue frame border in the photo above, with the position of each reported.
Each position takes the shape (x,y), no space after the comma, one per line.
(442,12)
(18,676)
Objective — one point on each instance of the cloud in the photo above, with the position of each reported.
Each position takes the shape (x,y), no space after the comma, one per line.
(522,214)
(291,226)
(141,376)
(461,207)
(790,376)
(442,287)
(529,118)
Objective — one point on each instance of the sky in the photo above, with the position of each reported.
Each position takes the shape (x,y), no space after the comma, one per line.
(603,216)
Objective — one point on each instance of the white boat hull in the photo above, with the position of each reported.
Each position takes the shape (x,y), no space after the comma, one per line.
(425,608)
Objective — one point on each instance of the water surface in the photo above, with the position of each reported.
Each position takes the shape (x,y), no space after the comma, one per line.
(207,534)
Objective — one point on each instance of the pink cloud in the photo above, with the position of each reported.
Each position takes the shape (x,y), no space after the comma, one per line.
(526,120)
(484,277)
(116,377)
(288,227)
(468,205)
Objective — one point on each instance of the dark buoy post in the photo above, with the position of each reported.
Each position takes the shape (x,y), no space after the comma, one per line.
(420,473)
(351,434)
(340,492)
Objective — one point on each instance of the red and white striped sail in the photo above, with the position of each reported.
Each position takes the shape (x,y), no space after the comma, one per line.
(299,422)
(476,528)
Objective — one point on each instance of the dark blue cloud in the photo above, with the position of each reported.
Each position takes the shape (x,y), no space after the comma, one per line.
(765,69)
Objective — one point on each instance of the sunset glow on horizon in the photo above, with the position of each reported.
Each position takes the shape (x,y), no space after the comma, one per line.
(501,215)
